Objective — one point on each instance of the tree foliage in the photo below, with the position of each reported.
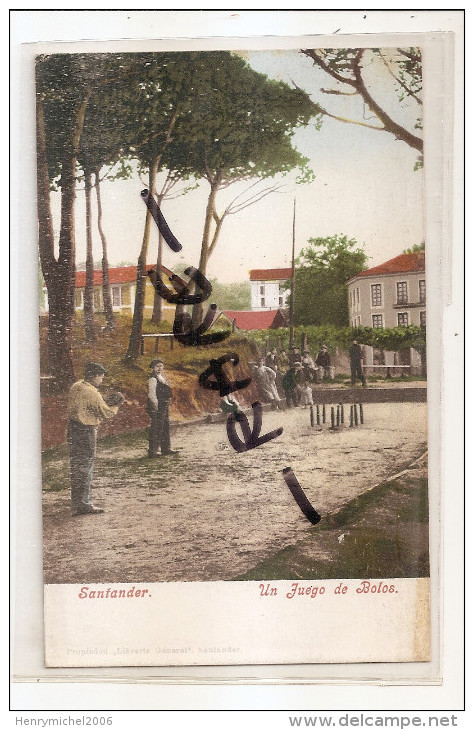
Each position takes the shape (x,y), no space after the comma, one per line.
(417,248)
(321,272)
(240,129)
(205,115)
(235,296)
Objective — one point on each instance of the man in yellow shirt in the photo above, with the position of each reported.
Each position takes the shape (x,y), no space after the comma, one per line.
(86,410)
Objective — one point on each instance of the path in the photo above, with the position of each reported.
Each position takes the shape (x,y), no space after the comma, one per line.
(211,513)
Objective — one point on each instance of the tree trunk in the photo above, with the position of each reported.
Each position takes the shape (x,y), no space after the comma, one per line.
(58,274)
(205,246)
(157,315)
(108,308)
(134,342)
(89,288)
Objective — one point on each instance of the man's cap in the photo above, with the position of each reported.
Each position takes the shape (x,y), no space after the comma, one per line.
(93,368)
(323,347)
(155,362)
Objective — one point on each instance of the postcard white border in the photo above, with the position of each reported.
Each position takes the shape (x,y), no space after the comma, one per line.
(28,524)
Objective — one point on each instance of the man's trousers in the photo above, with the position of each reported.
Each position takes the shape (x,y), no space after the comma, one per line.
(82,448)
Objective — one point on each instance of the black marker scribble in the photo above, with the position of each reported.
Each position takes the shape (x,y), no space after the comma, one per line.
(222,382)
(160,221)
(181,294)
(252,439)
(190,336)
(300,497)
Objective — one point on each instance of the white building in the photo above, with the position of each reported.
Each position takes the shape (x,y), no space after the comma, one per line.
(392,294)
(266,288)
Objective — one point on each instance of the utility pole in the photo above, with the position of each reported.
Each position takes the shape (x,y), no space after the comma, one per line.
(292,295)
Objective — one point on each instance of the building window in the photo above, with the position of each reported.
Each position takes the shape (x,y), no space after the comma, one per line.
(358,295)
(402,292)
(280,301)
(403,319)
(358,321)
(262,289)
(262,301)
(377,318)
(376,295)
(422,289)
(422,319)
(116,296)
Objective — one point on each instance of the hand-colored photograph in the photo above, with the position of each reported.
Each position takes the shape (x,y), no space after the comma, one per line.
(232,315)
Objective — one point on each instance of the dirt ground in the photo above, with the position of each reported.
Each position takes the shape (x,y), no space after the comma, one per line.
(210,513)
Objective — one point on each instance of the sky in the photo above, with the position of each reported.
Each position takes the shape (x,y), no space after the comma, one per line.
(365,188)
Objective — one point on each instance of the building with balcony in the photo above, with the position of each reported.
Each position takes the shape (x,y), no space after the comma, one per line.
(392,294)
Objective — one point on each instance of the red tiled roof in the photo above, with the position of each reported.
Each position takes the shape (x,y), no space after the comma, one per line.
(402,264)
(119,275)
(270,274)
(250,320)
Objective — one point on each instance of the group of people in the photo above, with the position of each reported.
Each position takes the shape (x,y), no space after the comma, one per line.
(275,374)
(292,375)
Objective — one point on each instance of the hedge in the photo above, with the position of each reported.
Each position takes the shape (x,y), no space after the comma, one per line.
(397,338)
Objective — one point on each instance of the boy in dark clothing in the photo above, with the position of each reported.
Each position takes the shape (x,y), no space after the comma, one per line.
(324,361)
(291,380)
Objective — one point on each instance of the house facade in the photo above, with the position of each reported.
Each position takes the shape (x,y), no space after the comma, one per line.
(123,284)
(392,294)
(266,288)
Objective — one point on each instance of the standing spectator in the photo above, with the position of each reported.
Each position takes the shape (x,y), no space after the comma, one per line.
(271,360)
(86,409)
(324,361)
(283,362)
(282,367)
(159,396)
(305,391)
(355,355)
(291,380)
(266,378)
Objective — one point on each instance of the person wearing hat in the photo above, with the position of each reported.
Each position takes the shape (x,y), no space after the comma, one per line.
(159,396)
(86,409)
(323,361)
(355,357)
(295,356)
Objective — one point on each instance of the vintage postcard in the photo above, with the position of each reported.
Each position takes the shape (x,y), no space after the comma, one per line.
(234,300)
